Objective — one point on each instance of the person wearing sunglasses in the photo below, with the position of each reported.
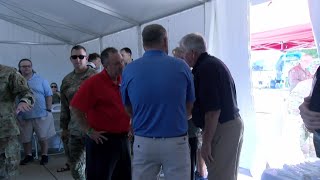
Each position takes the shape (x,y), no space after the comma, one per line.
(73,138)
(12,86)
(56,93)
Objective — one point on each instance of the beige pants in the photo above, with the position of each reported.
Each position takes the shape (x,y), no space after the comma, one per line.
(226,148)
(43,127)
(149,154)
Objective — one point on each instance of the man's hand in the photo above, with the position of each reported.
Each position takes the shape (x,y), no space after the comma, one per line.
(310,118)
(130,135)
(206,153)
(23,107)
(97,136)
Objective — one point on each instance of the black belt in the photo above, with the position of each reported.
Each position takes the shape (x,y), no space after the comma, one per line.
(168,137)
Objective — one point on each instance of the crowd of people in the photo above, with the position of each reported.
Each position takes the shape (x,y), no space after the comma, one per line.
(180,113)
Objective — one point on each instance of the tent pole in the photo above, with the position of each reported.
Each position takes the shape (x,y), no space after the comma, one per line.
(139,40)
(100,44)
(281,44)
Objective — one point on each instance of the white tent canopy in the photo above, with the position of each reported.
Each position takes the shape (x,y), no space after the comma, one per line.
(77,21)
(45,31)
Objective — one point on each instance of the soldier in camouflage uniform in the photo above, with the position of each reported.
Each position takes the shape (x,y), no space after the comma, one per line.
(72,136)
(12,86)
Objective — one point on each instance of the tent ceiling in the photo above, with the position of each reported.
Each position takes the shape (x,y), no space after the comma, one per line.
(76,21)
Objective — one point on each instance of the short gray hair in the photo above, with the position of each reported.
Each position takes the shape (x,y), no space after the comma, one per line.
(153,34)
(194,42)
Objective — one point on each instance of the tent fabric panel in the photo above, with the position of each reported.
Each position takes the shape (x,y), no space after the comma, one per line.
(228,39)
(146,10)
(70,20)
(127,38)
(12,32)
(51,62)
(92,46)
(180,24)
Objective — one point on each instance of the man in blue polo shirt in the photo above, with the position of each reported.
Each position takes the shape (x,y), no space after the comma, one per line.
(39,119)
(158,93)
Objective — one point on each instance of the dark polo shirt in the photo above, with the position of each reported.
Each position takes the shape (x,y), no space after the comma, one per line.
(214,89)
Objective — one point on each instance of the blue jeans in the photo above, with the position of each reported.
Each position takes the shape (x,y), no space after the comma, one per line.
(316,142)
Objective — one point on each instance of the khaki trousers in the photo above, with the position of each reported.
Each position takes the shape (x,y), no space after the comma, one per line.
(226,148)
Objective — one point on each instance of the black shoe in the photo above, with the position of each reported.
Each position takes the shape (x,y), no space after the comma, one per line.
(44,160)
(26,160)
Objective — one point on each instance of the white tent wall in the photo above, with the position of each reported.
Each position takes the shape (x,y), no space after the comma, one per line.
(15,33)
(126,38)
(51,62)
(10,54)
(180,24)
(48,60)
(228,39)
(177,26)
(92,46)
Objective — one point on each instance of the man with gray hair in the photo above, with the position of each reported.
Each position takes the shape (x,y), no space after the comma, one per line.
(215,109)
(158,92)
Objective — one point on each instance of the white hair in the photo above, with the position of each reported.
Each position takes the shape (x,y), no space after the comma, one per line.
(193,41)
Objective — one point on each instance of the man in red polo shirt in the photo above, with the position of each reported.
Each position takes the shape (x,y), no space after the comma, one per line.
(102,116)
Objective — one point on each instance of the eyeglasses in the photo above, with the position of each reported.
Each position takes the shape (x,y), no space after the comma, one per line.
(27,66)
(53,86)
(77,56)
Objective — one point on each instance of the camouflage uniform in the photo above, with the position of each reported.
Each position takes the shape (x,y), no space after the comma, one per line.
(75,144)
(12,85)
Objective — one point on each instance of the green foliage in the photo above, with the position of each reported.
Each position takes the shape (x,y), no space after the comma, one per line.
(311,52)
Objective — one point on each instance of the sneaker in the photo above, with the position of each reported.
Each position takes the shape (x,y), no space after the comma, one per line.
(44,160)
(26,160)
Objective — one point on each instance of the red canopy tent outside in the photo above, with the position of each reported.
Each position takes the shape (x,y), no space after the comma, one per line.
(294,37)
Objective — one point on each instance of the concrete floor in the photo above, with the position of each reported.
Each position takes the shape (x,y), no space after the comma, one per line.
(34,171)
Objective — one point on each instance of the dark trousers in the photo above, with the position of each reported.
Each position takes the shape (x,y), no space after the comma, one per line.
(193,143)
(110,160)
